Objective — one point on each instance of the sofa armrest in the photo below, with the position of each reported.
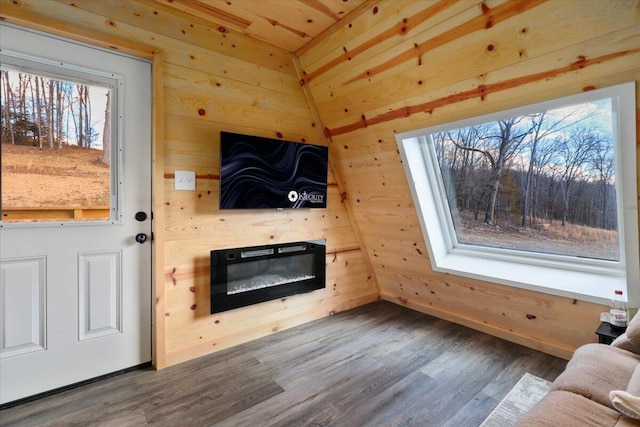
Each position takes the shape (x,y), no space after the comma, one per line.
(624,343)
(630,340)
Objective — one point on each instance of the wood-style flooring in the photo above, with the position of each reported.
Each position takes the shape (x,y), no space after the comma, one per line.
(377,365)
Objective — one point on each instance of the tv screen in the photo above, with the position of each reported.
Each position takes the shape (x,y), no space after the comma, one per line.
(265,173)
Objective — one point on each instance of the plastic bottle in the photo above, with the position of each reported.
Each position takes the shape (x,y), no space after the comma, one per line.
(618,312)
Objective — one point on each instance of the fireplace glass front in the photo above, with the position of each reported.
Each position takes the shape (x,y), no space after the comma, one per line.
(246,276)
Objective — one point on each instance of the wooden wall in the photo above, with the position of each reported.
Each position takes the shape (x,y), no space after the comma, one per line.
(207,80)
(404,65)
(401,65)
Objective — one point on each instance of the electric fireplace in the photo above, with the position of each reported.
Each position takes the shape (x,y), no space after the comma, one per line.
(250,275)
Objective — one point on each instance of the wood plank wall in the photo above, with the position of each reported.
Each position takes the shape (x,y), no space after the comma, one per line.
(400,65)
(213,79)
(405,64)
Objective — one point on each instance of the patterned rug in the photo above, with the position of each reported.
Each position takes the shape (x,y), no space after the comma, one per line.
(526,393)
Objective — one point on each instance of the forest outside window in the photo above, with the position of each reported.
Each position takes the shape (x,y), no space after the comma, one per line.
(59,142)
(541,197)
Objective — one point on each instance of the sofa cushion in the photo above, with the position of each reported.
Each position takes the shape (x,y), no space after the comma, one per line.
(566,409)
(597,369)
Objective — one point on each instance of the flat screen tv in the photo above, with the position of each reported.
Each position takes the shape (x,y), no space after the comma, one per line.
(265,173)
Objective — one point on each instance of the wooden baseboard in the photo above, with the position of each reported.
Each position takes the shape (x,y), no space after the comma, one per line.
(528,341)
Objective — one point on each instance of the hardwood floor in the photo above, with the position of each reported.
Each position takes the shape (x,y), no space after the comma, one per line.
(376,365)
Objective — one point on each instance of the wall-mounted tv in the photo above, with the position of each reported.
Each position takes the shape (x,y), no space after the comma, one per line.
(265,173)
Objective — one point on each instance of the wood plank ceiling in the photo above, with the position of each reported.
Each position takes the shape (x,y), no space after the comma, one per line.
(288,24)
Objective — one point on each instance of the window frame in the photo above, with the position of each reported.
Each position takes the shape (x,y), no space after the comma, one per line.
(574,277)
(21,62)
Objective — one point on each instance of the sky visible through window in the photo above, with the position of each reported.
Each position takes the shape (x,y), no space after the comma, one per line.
(542,182)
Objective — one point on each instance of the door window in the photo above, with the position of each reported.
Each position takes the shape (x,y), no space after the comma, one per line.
(59,143)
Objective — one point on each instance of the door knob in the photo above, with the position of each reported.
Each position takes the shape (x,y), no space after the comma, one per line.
(141,237)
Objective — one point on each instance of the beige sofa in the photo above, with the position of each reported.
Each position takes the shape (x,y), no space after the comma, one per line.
(600,387)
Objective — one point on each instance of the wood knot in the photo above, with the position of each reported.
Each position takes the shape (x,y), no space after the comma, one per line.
(581,62)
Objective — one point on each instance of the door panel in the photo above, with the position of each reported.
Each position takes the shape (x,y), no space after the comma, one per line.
(76,295)
(99,295)
(22,324)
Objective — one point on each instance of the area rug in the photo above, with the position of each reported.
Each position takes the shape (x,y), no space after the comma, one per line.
(522,397)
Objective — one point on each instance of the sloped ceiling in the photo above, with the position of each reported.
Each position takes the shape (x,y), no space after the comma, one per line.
(288,24)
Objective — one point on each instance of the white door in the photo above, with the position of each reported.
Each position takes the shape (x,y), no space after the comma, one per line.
(75,294)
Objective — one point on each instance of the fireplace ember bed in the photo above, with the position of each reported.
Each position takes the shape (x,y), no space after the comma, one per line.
(251,275)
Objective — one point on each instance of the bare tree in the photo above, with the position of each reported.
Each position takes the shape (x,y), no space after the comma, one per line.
(541,128)
(9,105)
(602,162)
(80,130)
(49,112)
(541,199)
(59,110)
(22,119)
(545,166)
(508,143)
(574,152)
(23,128)
(106,133)
(88,131)
(38,109)
(497,144)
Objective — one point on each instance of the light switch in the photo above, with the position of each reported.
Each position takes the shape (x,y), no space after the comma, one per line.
(185,180)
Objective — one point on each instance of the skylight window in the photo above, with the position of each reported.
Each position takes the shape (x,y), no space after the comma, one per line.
(541,197)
